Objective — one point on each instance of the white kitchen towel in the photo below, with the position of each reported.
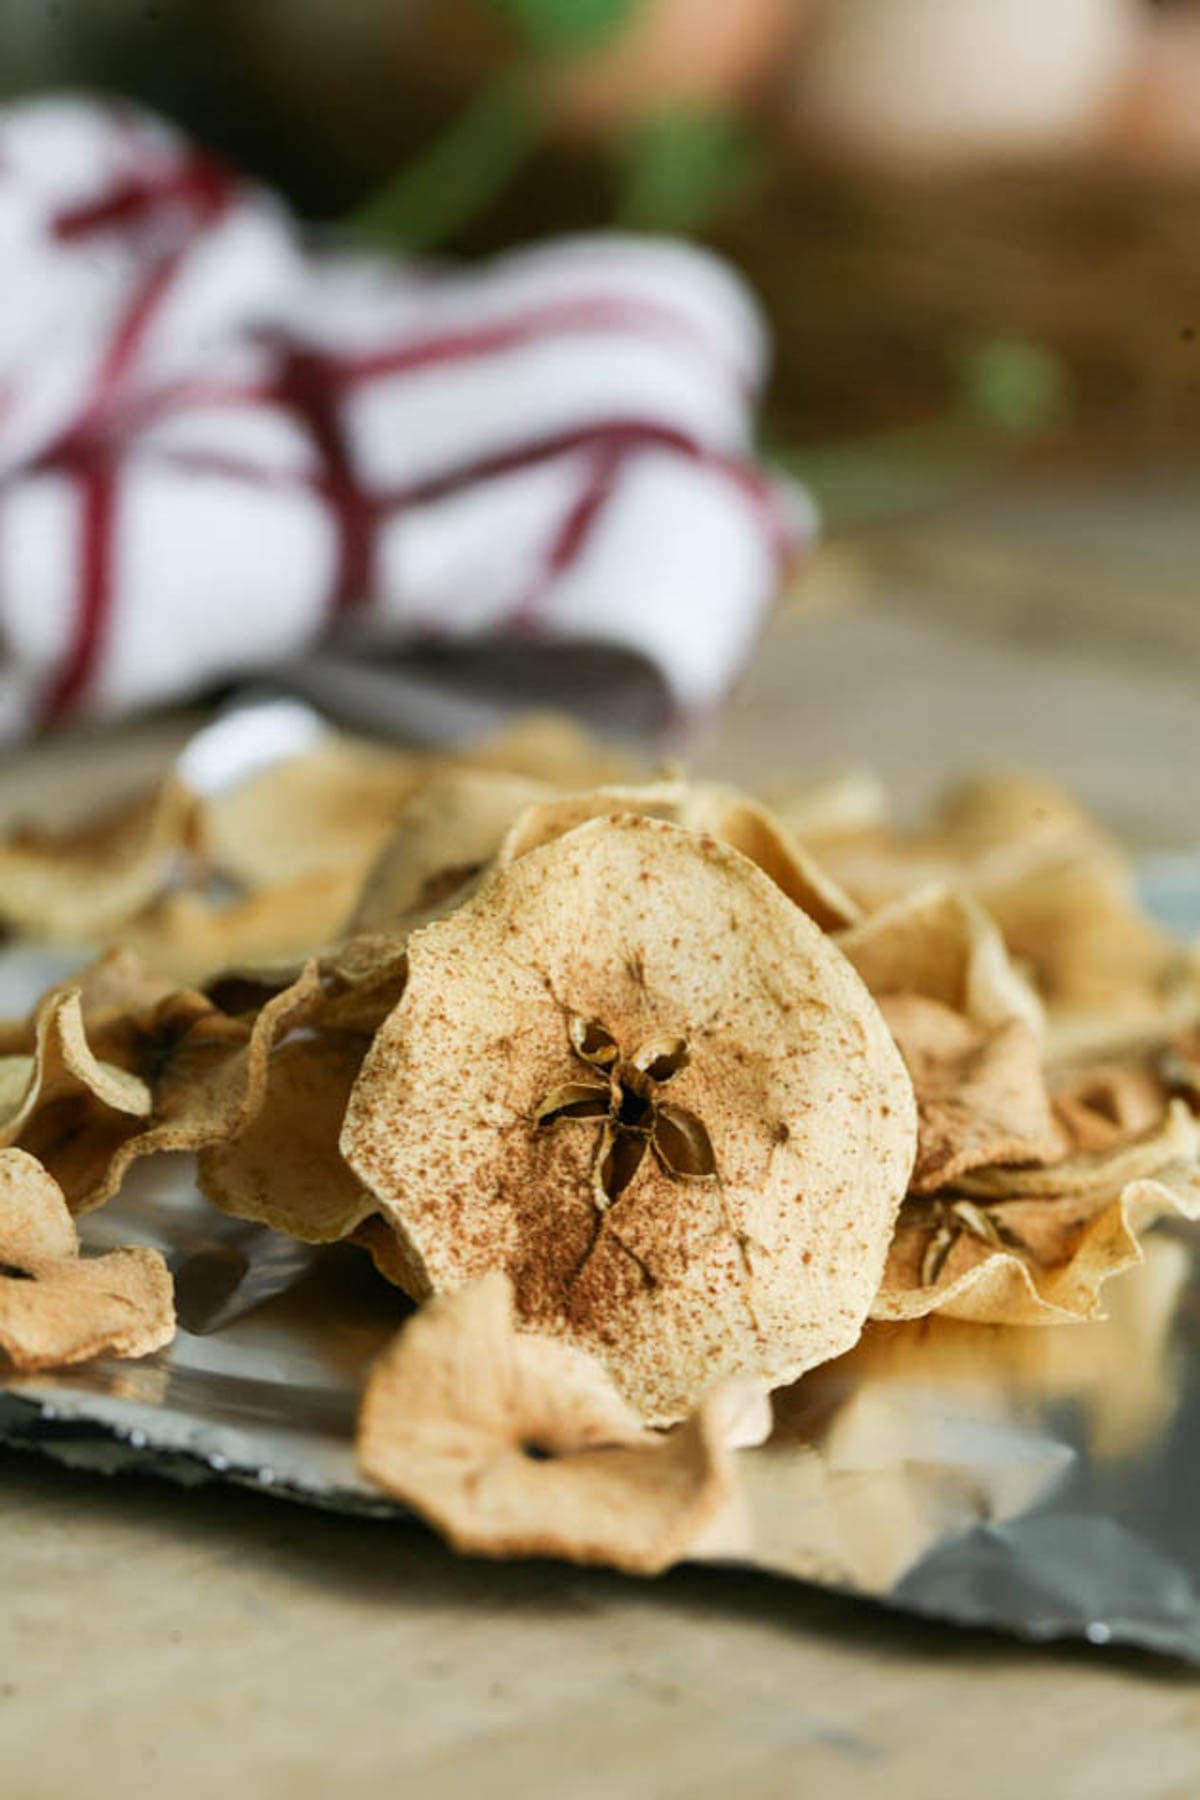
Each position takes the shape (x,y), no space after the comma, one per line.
(226,452)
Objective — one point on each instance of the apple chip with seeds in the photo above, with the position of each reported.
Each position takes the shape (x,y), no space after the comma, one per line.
(633,1075)
(514,1444)
(1035,1246)
(58,1307)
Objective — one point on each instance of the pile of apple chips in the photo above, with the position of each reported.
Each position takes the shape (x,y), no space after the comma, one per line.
(648,1094)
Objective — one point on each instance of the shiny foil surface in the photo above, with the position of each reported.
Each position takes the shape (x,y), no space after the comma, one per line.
(1045,1482)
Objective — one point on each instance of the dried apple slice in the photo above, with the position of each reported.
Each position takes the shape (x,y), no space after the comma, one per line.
(1035,1246)
(57,1307)
(761,1258)
(512,1444)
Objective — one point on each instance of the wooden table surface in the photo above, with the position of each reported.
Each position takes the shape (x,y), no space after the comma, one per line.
(155,1640)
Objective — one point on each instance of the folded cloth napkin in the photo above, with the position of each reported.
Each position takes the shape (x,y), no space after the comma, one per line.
(221,447)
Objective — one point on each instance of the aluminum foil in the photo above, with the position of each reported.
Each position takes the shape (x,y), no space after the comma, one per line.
(1044,1482)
